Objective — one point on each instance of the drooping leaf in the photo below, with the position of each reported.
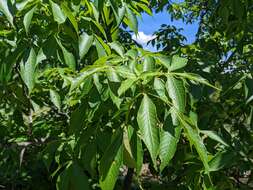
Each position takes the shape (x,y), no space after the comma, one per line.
(66,10)
(72,178)
(55,98)
(69,58)
(117,47)
(63,180)
(77,118)
(85,42)
(177,63)
(160,88)
(111,162)
(169,137)
(128,157)
(132,20)
(58,14)
(137,150)
(149,63)
(6,11)
(213,135)
(28,18)
(222,159)
(125,85)
(79,180)
(176,91)
(194,138)
(147,121)
(27,70)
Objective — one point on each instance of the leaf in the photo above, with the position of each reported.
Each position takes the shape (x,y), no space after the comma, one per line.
(125,85)
(177,63)
(77,118)
(28,18)
(194,138)
(69,58)
(5,10)
(85,42)
(147,121)
(128,158)
(58,15)
(165,61)
(145,8)
(55,98)
(213,135)
(72,178)
(149,63)
(27,70)
(137,150)
(169,137)
(222,160)
(160,89)
(63,179)
(103,44)
(133,23)
(117,47)
(176,91)
(115,99)
(66,10)
(111,162)
(79,180)
(89,157)
(121,14)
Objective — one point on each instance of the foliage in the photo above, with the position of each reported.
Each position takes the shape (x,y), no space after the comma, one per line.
(81,101)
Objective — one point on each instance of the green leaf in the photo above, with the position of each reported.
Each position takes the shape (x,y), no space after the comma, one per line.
(72,178)
(145,8)
(160,89)
(164,60)
(147,121)
(89,157)
(169,137)
(111,162)
(85,42)
(132,20)
(55,98)
(125,85)
(176,91)
(115,99)
(5,10)
(213,135)
(121,14)
(79,180)
(194,138)
(128,158)
(66,10)
(27,70)
(28,18)
(69,58)
(177,63)
(222,160)
(63,180)
(116,46)
(58,15)
(149,63)
(77,118)
(137,150)
(104,45)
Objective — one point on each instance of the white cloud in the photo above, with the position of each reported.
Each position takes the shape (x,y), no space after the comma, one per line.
(142,38)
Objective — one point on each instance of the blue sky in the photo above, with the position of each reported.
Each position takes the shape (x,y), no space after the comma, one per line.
(149,24)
